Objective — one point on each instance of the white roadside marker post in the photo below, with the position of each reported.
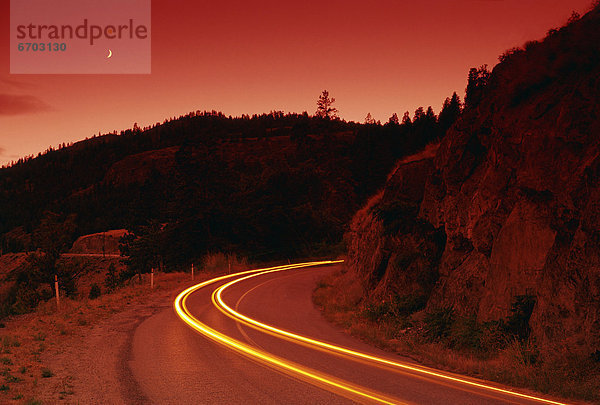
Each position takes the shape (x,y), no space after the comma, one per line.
(152,279)
(192,271)
(56,288)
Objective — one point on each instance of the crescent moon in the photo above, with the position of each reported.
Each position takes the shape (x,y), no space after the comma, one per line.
(109,54)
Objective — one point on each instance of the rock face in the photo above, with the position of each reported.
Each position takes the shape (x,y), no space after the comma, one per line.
(99,243)
(393,251)
(514,188)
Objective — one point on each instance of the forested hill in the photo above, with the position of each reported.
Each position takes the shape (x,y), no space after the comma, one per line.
(270,185)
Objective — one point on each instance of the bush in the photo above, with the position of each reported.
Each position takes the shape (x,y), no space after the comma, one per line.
(509,53)
(517,324)
(438,324)
(398,308)
(94,292)
(493,337)
(408,304)
(522,352)
(112,280)
(466,333)
(47,373)
(377,311)
(6,342)
(221,262)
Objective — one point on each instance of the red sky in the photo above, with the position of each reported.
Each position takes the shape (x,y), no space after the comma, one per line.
(257,56)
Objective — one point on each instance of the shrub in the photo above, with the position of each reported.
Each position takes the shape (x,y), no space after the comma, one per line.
(439,323)
(517,324)
(219,262)
(376,311)
(47,373)
(408,304)
(7,342)
(466,333)
(522,352)
(12,379)
(529,45)
(94,292)
(493,337)
(112,280)
(509,53)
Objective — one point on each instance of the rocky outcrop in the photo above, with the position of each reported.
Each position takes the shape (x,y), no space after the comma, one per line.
(99,243)
(137,169)
(515,189)
(402,252)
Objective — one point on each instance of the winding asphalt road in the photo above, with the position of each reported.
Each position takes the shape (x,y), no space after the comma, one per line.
(171,363)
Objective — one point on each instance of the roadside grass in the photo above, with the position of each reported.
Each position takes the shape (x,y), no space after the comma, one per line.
(24,378)
(456,345)
(223,262)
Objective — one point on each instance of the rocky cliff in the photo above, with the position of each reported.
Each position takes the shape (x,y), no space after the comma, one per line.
(509,206)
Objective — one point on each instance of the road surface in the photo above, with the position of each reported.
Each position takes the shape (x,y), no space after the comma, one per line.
(199,354)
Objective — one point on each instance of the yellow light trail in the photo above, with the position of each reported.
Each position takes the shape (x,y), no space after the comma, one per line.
(294,369)
(218,300)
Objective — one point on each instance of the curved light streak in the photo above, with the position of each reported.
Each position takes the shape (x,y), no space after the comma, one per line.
(294,369)
(226,309)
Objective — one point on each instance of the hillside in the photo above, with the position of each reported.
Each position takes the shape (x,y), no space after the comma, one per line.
(502,225)
(266,187)
(195,172)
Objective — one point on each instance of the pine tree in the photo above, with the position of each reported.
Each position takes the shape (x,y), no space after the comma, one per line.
(477,81)
(325,107)
(406,121)
(450,112)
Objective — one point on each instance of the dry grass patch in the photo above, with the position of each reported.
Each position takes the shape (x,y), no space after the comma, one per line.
(24,339)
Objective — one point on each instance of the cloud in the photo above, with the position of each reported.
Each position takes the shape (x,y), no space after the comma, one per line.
(13,104)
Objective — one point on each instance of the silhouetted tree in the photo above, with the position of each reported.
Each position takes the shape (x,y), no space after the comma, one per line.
(430,115)
(424,127)
(477,81)
(450,112)
(54,235)
(406,121)
(394,120)
(325,108)
(419,115)
(369,120)
(575,16)
(145,248)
